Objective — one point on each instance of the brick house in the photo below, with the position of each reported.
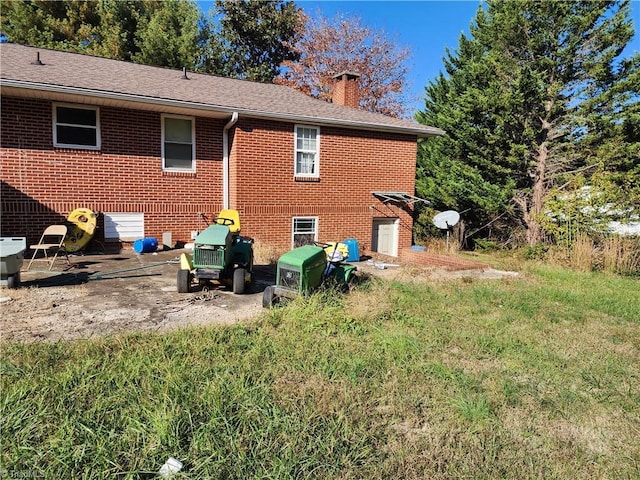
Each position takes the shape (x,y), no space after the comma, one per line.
(160,151)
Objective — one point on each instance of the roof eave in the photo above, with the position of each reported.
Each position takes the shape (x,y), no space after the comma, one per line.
(422,132)
(419,131)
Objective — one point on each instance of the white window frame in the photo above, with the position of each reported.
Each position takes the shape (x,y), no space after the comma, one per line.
(55,124)
(293,229)
(316,161)
(193,143)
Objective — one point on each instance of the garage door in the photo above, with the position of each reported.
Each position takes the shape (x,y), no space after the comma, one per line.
(385,236)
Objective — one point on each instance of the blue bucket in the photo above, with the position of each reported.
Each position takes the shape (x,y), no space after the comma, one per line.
(354,250)
(145,245)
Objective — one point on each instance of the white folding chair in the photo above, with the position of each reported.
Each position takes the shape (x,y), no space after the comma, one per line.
(51,243)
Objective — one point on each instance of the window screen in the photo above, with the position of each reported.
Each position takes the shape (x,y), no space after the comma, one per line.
(178,149)
(305,230)
(76,127)
(307,149)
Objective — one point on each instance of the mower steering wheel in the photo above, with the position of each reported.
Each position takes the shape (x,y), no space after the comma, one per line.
(225,221)
(322,245)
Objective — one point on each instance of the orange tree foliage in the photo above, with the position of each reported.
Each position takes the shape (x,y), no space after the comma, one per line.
(329,47)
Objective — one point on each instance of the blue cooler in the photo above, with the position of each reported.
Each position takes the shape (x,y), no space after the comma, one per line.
(354,250)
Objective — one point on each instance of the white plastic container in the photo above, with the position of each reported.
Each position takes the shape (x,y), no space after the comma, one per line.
(171,466)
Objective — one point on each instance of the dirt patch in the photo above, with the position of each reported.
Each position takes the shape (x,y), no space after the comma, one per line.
(110,294)
(391,270)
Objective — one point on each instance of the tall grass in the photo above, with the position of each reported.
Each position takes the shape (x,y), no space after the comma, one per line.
(582,254)
(441,246)
(610,253)
(265,254)
(621,255)
(536,377)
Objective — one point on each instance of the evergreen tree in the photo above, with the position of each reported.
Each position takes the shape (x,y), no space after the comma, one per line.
(61,25)
(152,31)
(535,95)
(252,38)
(170,36)
(245,39)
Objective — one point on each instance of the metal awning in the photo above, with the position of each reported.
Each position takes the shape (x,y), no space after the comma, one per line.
(399,197)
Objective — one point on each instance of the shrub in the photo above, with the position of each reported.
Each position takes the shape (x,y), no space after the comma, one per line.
(536,252)
(485,245)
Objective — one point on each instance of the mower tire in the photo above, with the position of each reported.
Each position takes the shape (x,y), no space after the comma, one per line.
(184,281)
(13,281)
(238,280)
(269,298)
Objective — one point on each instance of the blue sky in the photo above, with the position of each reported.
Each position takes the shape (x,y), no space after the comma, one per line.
(427,27)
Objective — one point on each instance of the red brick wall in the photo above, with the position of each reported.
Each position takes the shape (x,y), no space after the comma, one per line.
(42,184)
(353,163)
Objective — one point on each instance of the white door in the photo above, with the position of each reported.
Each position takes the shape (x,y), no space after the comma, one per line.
(385,236)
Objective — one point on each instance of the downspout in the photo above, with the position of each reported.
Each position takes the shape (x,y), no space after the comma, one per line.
(225,160)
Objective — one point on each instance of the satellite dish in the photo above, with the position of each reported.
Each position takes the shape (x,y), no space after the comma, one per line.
(446,220)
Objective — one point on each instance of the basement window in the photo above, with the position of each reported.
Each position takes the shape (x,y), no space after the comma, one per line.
(76,126)
(178,144)
(305,231)
(307,151)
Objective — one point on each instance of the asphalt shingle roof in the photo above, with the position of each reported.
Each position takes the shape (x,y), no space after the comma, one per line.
(87,75)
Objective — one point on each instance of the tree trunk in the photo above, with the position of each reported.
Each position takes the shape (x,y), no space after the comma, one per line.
(534,230)
(532,207)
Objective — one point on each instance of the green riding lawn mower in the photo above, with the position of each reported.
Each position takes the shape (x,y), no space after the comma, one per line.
(220,256)
(305,269)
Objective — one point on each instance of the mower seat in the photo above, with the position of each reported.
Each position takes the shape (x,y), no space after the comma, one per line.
(337,252)
(229,215)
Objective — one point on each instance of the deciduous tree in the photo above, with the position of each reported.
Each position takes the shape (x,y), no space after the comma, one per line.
(329,47)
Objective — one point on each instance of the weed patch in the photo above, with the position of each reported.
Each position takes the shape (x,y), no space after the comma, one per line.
(533,377)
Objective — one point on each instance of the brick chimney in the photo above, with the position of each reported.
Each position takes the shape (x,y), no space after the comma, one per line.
(345,90)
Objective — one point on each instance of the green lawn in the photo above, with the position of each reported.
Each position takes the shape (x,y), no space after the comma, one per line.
(530,377)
